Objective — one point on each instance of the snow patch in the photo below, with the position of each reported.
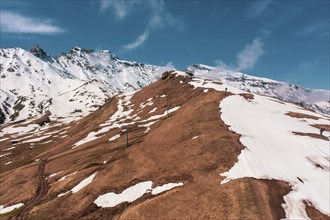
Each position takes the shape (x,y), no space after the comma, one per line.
(132,193)
(165,187)
(207,84)
(54,174)
(4,210)
(8,149)
(114,137)
(64,177)
(20,130)
(153,110)
(36,139)
(81,185)
(274,152)
(3,155)
(128,195)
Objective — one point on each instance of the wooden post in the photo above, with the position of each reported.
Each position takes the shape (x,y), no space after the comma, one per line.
(126,137)
(167,106)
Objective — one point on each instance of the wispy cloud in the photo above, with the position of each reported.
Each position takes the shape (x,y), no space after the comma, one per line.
(159,17)
(138,41)
(257,8)
(247,58)
(308,66)
(320,29)
(120,8)
(12,22)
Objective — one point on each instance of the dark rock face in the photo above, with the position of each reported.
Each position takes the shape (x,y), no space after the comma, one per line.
(2,117)
(43,121)
(10,69)
(39,52)
(166,74)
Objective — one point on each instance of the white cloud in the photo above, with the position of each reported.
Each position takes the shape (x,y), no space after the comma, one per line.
(12,22)
(222,65)
(138,42)
(120,7)
(320,29)
(308,67)
(158,15)
(170,65)
(257,8)
(247,58)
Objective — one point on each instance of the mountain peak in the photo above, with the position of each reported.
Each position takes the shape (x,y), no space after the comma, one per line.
(76,49)
(39,52)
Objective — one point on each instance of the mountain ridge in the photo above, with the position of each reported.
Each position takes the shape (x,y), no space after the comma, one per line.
(33,83)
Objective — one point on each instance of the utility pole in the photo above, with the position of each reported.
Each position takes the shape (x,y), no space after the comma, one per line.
(167,106)
(126,136)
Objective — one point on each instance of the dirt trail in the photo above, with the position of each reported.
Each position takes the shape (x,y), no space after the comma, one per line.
(41,192)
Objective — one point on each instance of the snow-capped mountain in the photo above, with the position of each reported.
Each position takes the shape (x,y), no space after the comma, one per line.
(318,100)
(76,83)
(33,83)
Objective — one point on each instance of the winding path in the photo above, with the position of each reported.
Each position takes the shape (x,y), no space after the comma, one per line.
(41,192)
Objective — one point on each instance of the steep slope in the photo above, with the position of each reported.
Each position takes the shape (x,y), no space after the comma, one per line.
(33,83)
(318,100)
(181,160)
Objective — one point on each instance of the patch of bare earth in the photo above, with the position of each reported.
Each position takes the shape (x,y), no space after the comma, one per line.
(326,127)
(247,96)
(313,213)
(313,135)
(167,153)
(300,115)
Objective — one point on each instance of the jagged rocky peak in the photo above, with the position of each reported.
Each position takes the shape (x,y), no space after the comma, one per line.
(76,49)
(39,52)
(198,67)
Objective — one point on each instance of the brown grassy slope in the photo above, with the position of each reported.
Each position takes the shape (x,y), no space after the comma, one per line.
(313,135)
(313,213)
(167,153)
(326,127)
(300,115)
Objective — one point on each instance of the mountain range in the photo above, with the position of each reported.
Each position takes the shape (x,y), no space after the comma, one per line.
(34,84)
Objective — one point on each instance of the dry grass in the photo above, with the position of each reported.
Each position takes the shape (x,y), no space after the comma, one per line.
(325,127)
(313,135)
(167,153)
(313,213)
(247,96)
(300,115)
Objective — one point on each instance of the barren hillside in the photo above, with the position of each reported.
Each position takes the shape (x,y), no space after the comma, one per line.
(184,158)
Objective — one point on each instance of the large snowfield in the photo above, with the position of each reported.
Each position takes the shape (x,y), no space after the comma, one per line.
(273,151)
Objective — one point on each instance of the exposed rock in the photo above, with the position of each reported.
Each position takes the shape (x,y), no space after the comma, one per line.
(10,69)
(166,74)
(39,52)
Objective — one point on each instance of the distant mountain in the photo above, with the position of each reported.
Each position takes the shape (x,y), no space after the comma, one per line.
(76,83)
(72,85)
(318,100)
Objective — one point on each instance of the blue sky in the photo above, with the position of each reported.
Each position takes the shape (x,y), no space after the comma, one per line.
(282,40)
